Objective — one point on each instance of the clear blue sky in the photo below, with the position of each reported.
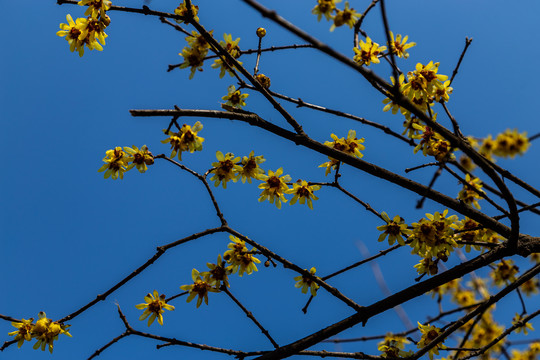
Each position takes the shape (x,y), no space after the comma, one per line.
(67,234)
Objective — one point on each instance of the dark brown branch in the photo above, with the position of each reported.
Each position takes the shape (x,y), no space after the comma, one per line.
(398,98)
(145,10)
(360,164)
(301,103)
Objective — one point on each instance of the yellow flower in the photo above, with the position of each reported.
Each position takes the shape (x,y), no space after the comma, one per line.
(232,48)
(240,259)
(185,140)
(140,157)
(530,286)
(197,41)
(263,80)
(303,192)
(116,163)
(72,31)
(199,288)
(504,273)
(443,93)
(427,266)
(469,196)
(368,52)
(525,327)
(429,333)
(225,169)
(306,283)
(399,46)
(351,145)
(326,8)
(274,187)
(194,58)
(24,331)
(46,332)
(330,165)
(346,16)
(464,297)
(250,167)
(218,273)
(392,346)
(235,98)
(95,7)
(154,306)
(182,10)
(395,229)
(389,104)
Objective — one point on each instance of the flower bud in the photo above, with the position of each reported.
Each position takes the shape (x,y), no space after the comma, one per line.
(261,32)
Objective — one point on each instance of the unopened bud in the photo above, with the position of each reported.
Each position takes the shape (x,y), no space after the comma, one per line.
(261,32)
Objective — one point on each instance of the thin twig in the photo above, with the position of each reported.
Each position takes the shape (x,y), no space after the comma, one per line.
(468,42)
(436,175)
(203,180)
(249,315)
(116,339)
(360,21)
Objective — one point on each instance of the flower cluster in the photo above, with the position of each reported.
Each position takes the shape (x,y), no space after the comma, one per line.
(154,306)
(228,167)
(90,31)
(423,87)
(118,161)
(507,144)
(184,140)
(233,49)
(241,259)
(195,53)
(307,282)
(367,52)
(350,145)
(238,259)
(432,143)
(433,239)
(45,331)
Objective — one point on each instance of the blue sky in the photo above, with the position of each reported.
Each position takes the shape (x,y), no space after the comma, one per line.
(67,234)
